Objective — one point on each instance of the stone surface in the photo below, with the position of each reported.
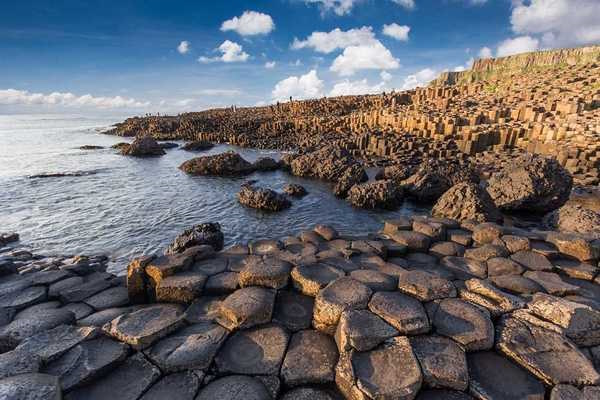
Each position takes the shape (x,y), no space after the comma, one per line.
(465,268)
(235,387)
(246,308)
(294,190)
(425,286)
(442,361)
(465,201)
(198,235)
(18,330)
(183,287)
(18,361)
(552,283)
(414,241)
(385,194)
(270,272)
(224,164)
(114,297)
(30,387)
(180,386)
(52,343)
(532,260)
(310,359)
(293,310)
(310,279)
(362,330)
(143,146)
(403,312)
(499,266)
(307,394)
(573,218)
(262,198)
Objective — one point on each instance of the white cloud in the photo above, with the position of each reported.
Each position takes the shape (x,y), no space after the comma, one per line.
(485,52)
(249,23)
(184,47)
(230,52)
(560,23)
(398,32)
(408,4)
(219,92)
(466,66)
(339,7)
(299,87)
(22,97)
(421,78)
(327,42)
(385,76)
(521,44)
(347,87)
(270,64)
(371,56)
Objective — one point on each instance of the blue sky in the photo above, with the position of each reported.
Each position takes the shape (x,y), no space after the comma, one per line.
(128,56)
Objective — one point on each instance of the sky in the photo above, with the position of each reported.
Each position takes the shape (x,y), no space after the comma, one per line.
(140,56)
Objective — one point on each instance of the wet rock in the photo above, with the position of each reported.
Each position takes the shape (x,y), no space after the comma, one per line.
(462,322)
(340,295)
(552,283)
(327,232)
(442,361)
(126,382)
(490,374)
(465,201)
(180,386)
(375,280)
(83,291)
(190,348)
(57,287)
(198,145)
(100,318)
(18,361)
(533,183)
(293,310)
(362,330)
(265,164)
(246,308)
(143,327)
(30,387)
(255,351)
(575,246)
(6,238)
(121,146)
(498,266)
(310,359)
(90,147)
(168,145)
(546,354)
(354,175)
(465,268)
(379,194)
(235,387)
(414,241)
(18,330)
(294,190)
(143,146)
(403,312)
(573,218)
(201,234)
(269,272)
(398,224)
(310,279)
(224,164)
(51,343)
(18,300)
(262,198)
(48,277)
(86,361)
(375,374)
(425,286)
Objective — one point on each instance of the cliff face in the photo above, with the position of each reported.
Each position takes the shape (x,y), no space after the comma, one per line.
(492,67)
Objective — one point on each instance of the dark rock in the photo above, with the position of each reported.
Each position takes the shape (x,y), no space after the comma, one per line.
(52,343)
(353,175)
(375,280)
(168,145)
(143,146)
(403,312)
(114,297)
(307,393)
(425,286)
(235,387)
(19,361)
(201,234)
(224,164)
(328,163)
(262,198)
(18,330)
(203,309)
(180,386)
(90,147)
(434,177)
(197,145)
(310,279)
(362,330)
(379,194)
(294,190)
(30,387)
(466,201)
(293,310)
(310,359)
(397,172)
(266,164)
(442,361)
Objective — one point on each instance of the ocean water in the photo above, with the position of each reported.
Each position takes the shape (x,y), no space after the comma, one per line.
(124,206)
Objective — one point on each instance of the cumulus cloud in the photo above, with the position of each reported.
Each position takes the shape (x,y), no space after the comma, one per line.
(408,4)
(385,76)
(466,66)
(270,64)
(230,52)
(398,32)
(347,87)
(363,57)
(184,47)
(485,52)
(559,23)
(327,42)
(421,78)
(250,23)
(299,87)
(66,99)
(521,44)
(339,7)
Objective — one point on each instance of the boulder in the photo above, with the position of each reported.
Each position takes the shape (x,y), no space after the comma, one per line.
(224,164)
(466,201)
(262,198)
(265,164)
(294,190)
(353,175)
(197,145)
(201,234)
(573,218)
(397,172)
(379,194)
(310,359)
(328,162)
(531,183)
(434,177)
(143,146)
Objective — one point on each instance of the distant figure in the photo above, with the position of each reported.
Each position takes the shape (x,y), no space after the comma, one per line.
(291,99)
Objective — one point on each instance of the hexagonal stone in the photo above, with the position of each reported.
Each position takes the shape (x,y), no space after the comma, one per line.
(211,266)
(369,246)
(180,386)
(86,361)
(375,280)
(83,291)
(395,266)
(143,327)
(425,286)
(235,387)
(488,296)
(574,245)
(262,247)
(55,288)
(203,309)
(343,264)
(100,318)
(403,312)
(246,307)
(516,284)
(566,392)
(434,230)
(442,361)
(182,287)
(340,295)
(126,382)
(516,243)
(161,267)
(460,236)
(36,309)
(441,394)
(18,330)
(462,322)
(255,351)
(223,283)
(114,297)
(192,347)
(52,343)
(311,358)
(81,310)
(487,232)
(18,361)
(310,279)
(270,272)
(503,266)
(552,283)
(326,232)
(576,269)
(532,260)
(376,374)
(490,374)
(48,277)
(414,241)
(444,249)
(18,300)
(545,353)
(293,310)
(465,268)
(30,387)
(307,393)
(310,237)
(362,330)
(397,224)
(272,383)
(486,252)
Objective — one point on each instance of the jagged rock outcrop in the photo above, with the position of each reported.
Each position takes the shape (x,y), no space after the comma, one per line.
(573,218)
(379,194)
(224,164)
(467,201)
(262,198)
(143,146)
(434,177)
(328,163)
(353,175)
(398,172)
(201,234)
(295,190)
(266,164)
(198,145)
